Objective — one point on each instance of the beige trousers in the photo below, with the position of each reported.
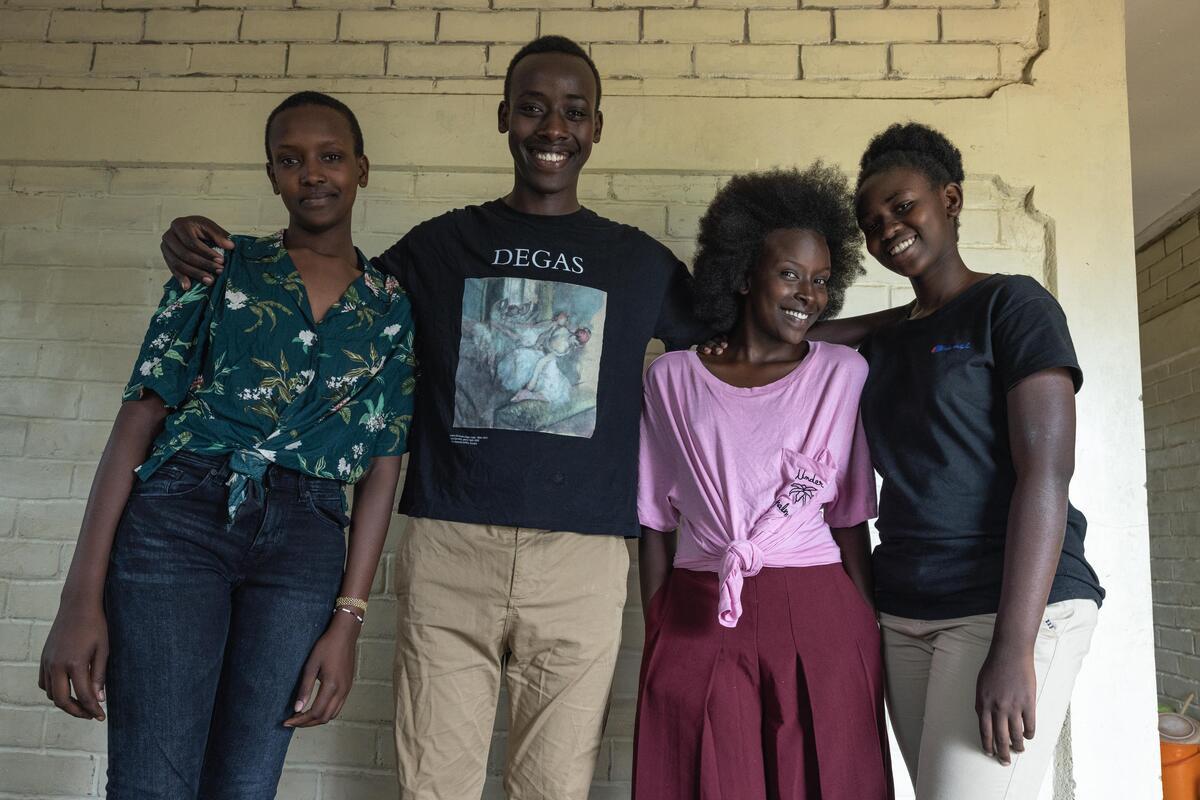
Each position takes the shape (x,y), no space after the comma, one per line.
(931,670)
(543,608)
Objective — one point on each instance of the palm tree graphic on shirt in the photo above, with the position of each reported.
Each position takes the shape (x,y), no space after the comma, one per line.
(804,488)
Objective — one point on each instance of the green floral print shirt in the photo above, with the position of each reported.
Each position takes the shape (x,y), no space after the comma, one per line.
(246,370)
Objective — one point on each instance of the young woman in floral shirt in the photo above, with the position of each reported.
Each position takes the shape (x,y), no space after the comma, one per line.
(211,585)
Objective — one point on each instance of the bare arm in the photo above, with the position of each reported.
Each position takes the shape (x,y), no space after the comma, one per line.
(851,331)
(855,544)
(1041,419)
(187,253)
(656,552)
(332,658)
(76,649)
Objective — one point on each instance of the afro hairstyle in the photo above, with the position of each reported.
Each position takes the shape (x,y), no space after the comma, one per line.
(913,145)
(746,210)
(300,99)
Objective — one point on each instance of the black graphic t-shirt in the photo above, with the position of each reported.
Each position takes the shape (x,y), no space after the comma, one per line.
(936,415)
(533,335)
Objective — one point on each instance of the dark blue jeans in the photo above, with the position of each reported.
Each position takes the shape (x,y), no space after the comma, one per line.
(210,625)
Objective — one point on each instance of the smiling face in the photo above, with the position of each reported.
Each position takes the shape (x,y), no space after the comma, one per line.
(313,167)
(551,120)
(786,290)
(908,222)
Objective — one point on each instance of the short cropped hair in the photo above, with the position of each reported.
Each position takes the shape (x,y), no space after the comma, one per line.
(551,44)
(315,99)
(745,211)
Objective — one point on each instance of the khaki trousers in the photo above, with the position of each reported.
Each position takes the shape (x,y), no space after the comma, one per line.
(543,608)
(932,666)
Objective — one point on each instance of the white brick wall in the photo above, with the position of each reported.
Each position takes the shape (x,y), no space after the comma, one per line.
(79,274)
(1169,282)
(653,47)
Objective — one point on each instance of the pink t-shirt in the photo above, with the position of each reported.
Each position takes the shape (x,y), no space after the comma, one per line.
(754,477)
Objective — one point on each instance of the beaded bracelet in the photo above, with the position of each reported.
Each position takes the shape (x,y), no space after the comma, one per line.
(353,602)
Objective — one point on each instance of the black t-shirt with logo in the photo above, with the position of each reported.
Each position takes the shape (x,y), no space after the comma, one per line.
(531,336)
(936,416)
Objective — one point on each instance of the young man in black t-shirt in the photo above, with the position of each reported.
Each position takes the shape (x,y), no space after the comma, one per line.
(533,316)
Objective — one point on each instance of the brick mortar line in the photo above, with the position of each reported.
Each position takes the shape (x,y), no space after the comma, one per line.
(7,706)
(413,169)
(1178,356)
(42,750)
(956,88)
(48,420)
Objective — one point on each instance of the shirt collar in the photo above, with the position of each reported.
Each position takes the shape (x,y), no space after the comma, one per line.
(266,249)
(375,289)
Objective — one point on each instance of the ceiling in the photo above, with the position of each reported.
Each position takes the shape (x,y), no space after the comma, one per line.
(1163,61)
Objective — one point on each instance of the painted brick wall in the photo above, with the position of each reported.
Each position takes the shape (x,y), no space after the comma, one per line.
(1169,285)
(763,48)
(79,274)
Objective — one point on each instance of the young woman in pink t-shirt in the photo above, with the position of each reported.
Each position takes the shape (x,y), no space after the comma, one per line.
(761,675)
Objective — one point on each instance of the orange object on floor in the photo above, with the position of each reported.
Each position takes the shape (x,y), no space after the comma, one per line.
(1179,743)
(1180,771)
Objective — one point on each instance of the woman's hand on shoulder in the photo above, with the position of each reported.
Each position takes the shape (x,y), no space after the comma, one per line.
(74,660)
(332,663)
(714,346)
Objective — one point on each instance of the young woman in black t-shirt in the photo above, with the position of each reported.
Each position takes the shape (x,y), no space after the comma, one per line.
(987,604)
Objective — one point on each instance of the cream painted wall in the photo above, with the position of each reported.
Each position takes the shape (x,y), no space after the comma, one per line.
(1049,156)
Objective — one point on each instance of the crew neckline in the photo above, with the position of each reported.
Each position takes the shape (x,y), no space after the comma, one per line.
(958,298)
(502,207)
(777,385)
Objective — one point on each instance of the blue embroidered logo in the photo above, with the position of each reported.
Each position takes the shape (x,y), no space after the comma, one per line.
(942,348)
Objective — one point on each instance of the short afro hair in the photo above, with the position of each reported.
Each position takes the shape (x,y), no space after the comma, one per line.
(300,99)
(913,145)
(747,209)
(552,44)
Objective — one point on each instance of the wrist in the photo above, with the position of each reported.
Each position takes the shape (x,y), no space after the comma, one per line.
(345,624)
(81,598)
(1009,646)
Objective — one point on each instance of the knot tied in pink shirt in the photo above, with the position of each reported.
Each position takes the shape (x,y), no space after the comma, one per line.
(743,559)
(790,531)
(754,477)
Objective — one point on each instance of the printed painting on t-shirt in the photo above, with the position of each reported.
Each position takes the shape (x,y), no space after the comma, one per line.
(529,357)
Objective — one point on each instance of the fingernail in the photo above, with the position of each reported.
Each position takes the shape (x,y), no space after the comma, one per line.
(101,695)
(299,706)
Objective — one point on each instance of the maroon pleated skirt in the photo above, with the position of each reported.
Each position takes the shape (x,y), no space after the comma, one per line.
(788,705)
